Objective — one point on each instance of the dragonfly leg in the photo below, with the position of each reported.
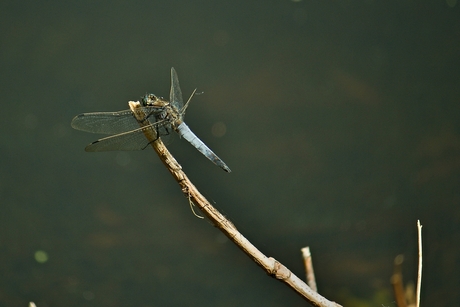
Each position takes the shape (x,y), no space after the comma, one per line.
(145,120)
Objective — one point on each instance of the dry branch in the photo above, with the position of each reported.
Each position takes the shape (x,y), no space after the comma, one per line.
(419,273)
(310,274)
(273,267)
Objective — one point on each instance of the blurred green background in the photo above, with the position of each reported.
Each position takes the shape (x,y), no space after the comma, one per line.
(339,119)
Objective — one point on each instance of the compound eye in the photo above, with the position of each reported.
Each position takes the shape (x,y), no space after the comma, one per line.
(149,99)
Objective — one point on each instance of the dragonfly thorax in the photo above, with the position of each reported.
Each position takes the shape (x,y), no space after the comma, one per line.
(153,101)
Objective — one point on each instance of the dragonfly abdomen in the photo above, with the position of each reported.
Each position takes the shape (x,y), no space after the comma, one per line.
(184,131)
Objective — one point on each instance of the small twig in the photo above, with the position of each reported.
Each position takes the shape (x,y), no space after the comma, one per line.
(269,264)
(310,274)
(397,282)
(192,205)
(419,274)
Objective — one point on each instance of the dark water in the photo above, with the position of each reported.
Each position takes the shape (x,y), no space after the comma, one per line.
(340,121)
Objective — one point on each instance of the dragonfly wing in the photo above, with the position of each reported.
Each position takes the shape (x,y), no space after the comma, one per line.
(132,140)
(111,122)
(175,94)
(188,134)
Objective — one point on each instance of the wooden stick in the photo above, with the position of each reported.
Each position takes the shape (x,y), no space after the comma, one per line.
(310,274)
(397,282)
(419,274)
(269,264)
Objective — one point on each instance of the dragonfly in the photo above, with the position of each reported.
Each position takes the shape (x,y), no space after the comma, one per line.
(159,116)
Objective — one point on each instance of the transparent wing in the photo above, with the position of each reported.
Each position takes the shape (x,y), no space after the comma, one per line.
(111,122)
(131,140)
(175,94)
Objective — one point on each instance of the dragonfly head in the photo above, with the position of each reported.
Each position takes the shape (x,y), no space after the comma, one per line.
(152,100)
